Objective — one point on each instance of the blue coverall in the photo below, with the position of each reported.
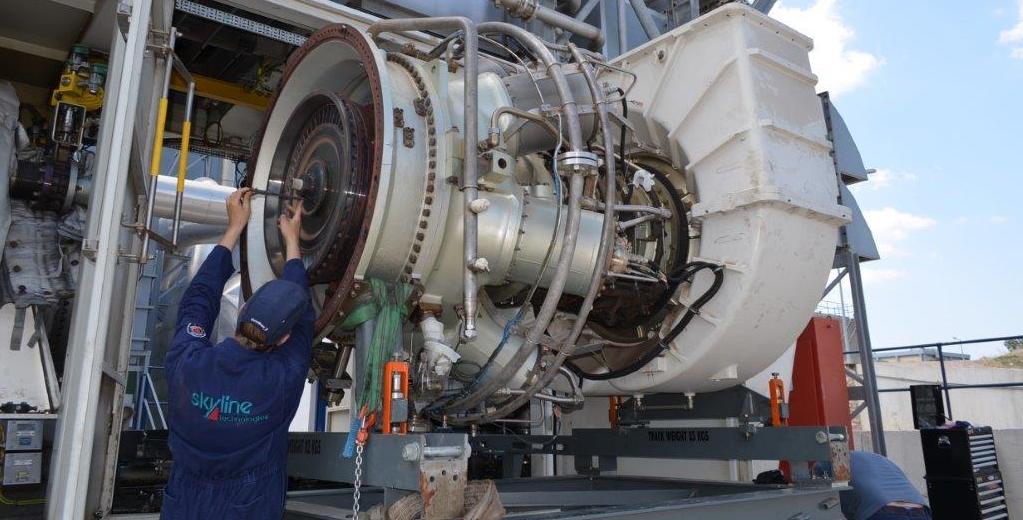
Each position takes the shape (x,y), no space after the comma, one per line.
(230,407)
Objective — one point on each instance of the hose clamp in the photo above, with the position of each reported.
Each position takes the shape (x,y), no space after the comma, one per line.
(579,161)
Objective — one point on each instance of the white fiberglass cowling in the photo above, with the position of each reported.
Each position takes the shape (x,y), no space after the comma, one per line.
(730,98)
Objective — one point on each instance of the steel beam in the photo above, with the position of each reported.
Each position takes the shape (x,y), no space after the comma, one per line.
(391,461)
(576,498)
(94,312)
(793,443)
(866,353)
(33,49)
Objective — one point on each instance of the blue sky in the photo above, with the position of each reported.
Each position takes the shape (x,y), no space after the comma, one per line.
(934,97)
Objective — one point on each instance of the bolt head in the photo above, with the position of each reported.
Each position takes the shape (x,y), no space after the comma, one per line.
(410,453)
(480,265)
(479,205)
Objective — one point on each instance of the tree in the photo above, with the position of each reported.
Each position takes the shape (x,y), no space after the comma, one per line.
(1014,345)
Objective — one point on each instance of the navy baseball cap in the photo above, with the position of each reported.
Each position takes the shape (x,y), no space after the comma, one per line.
(274,309)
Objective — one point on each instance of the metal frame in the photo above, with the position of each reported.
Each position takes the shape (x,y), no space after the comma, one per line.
(845,157)
(945,386)
(596,450)
(239,22)
(403,463)
(145,389)
(616,497)
(103,288)
(394,461)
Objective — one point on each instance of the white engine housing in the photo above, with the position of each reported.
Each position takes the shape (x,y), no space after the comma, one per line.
(730,98)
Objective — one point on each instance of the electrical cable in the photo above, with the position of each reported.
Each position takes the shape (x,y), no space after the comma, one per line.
(686,273)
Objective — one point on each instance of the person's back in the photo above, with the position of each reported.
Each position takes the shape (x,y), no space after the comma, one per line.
(230,404)
(880,491)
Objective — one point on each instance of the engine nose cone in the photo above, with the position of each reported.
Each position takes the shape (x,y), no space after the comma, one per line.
(327,146)
(322,140)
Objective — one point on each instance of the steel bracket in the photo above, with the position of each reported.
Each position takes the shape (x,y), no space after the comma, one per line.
(90,247)
(123,12)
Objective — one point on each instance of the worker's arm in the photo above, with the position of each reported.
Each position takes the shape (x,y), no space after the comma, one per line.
(298,348)
(200,304)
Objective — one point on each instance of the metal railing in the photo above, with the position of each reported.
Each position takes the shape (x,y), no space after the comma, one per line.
(939,348)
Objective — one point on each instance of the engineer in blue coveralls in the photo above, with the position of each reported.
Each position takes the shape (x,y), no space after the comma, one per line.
(231,403)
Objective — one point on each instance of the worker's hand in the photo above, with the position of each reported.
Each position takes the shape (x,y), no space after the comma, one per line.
(290,224)
(239,208)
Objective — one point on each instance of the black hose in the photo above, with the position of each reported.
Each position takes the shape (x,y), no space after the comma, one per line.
(662,344)
(621,149)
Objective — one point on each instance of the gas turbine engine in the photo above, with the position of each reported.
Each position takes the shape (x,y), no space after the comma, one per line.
(662,222)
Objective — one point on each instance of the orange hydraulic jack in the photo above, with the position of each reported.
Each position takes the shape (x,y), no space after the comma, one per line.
(614,402)
(395,391)
(779,410)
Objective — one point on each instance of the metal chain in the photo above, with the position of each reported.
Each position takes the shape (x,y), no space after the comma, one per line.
(358,481)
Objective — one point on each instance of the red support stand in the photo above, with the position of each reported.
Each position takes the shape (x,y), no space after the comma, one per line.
(820,394)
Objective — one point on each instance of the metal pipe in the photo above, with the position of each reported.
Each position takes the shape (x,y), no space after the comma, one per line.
(623,28)
(157,151)
(958,387)
(529,9)
(470,190)
(555,69)
(186,134)
(836,281)
(866,353)
(46,358)
(645,20)
(539,395)
(944,382)
(198,234)
(587,8)
(634,208)
(201,201)
(622,226)
(945,343)
(542,375)
(582,14)
(558,280)
(437,452)
(570,24)
(495,131)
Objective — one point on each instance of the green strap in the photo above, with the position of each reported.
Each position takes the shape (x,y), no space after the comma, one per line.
(389,309)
